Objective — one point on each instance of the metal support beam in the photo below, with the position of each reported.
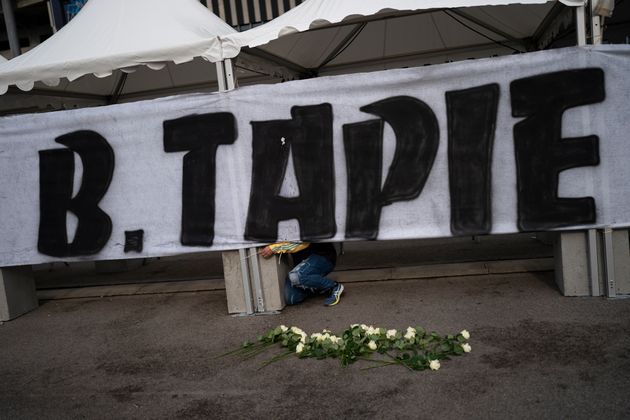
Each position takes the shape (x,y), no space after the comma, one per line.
(580,25)
(57,93)
(489,27)
(225,75)
(262,66)
(120,85)
(609,262)
(343,44)
(558,18)
(56,14)
(221,76)
(596,25)
(593,261)
(230,77)
(9,21)
(296,68)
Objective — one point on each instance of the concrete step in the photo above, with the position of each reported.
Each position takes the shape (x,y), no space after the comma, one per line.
(345,276)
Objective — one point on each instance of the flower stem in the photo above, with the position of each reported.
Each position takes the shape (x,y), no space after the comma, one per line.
(275,359)
(381,364)
(397,361)
(256,352)
(243,349)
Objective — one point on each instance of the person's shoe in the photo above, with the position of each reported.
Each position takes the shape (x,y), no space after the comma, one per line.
(335,295)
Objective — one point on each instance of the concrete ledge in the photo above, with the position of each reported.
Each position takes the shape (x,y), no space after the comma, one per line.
(347,276)
(185,286)
(445,270)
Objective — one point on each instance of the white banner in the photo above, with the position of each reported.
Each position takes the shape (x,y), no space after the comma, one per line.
(528,142)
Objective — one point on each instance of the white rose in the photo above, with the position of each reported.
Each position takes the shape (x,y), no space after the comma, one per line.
(434,364)
(465,334)
(354,325)
(364,327)
(372,345)
(299,348)
(409,335)
(335,339)
(283,328)
(296,330)
(466,347)
(411,330)
(373,331)
(391,334)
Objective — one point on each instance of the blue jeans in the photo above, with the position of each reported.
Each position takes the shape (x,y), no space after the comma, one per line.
(308,278)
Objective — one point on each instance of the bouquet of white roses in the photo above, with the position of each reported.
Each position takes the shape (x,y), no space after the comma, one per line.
(414,348)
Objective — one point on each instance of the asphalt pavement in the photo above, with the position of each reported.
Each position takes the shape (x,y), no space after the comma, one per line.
(535,354)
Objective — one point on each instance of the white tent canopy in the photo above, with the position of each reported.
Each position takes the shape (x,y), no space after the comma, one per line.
(120,34)
(135,36)
(350,32)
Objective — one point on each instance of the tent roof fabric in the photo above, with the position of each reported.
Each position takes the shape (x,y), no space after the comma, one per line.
(317,13)
(119,34)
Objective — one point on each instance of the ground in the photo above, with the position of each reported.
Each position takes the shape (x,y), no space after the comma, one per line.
(535,354)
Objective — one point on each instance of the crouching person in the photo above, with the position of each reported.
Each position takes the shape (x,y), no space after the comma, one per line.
(313,262)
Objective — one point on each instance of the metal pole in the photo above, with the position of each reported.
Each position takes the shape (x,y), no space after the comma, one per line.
(593,264)
(225,75)
(9,21)
(56,14)
(221,76)
(230,78)
(596,26)
(609,263)
(580,25)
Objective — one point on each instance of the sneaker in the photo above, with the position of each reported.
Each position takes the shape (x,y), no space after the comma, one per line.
(335,295)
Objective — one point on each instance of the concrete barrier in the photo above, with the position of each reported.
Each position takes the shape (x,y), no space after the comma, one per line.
(254,284)
(17,292)
(593,262)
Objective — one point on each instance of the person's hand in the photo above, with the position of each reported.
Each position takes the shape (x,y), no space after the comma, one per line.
(266,252)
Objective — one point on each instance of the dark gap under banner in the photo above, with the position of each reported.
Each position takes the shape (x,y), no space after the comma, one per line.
(530,142)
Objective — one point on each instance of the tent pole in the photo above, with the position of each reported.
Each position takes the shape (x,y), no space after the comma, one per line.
(596,25)
(56,14)
(225,75)
(120,85)
(9,21)
(230,78)
(580,25)
(221,76)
